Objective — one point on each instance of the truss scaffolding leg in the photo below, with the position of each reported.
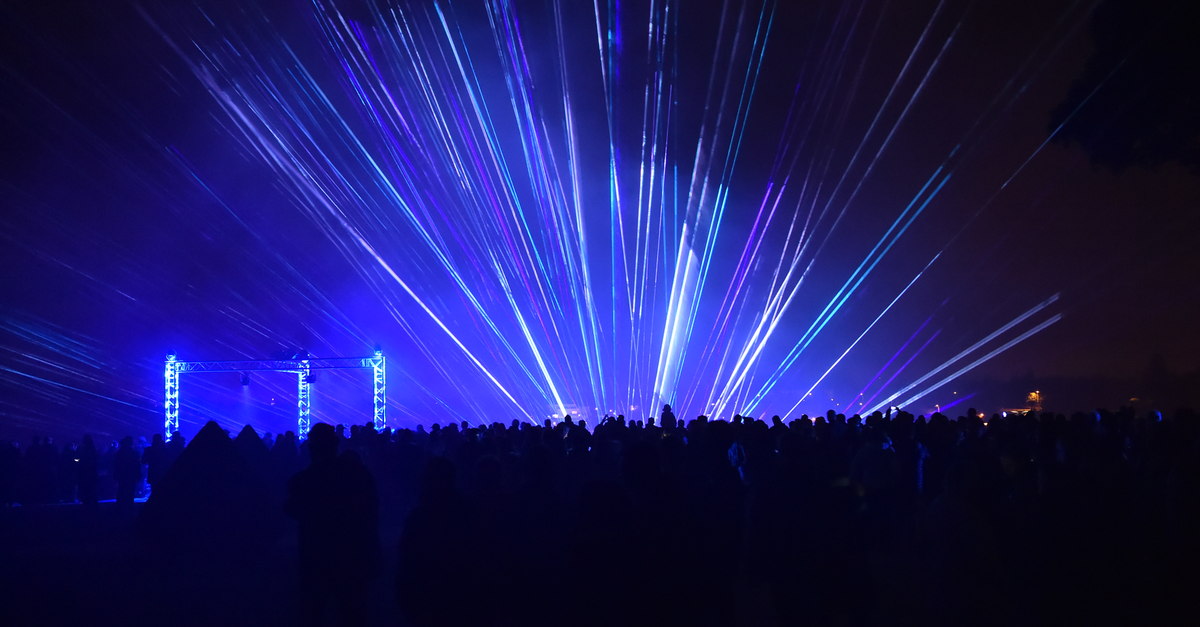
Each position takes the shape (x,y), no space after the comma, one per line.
(380,392)
(304,400)
(172,403)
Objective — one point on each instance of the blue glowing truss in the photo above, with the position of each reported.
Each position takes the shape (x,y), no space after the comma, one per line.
(303,368)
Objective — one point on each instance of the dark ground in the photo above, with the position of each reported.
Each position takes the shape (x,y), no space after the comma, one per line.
(62,565)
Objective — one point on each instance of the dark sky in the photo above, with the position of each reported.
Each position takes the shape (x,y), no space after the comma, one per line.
(500,201)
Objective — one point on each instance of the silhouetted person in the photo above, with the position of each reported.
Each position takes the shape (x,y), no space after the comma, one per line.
(175,446)
(65,475)
(335,502)
(959,549)
(156,458)
(37,473)
(10,472)
(49,461)
(253,450)
(441,545)
(127,469)
(873,470)
(88,473)
(208,511)
(601,560)
(285,457)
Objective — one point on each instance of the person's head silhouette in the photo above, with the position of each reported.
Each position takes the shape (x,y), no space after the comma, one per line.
(322,443)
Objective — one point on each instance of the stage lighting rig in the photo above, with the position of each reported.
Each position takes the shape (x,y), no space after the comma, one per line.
(302,365)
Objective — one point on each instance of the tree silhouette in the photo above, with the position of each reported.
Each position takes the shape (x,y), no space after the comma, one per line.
(1136,101)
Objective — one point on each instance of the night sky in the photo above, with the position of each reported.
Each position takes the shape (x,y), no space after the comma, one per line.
(538,207)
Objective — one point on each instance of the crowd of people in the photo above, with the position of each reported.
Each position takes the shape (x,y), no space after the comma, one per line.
(887,519)
(42,473)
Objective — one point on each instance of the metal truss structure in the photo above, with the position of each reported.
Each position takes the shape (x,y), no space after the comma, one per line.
(302,366)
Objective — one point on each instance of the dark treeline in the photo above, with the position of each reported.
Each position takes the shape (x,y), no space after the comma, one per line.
(890,519)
